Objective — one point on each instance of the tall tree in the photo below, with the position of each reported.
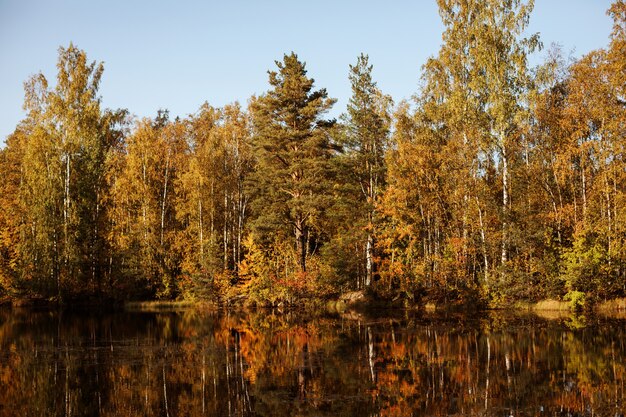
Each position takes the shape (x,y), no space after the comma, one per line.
(198,196)
(234,134)
(292,144)
(212,203)
(11,209)
(145,215)
(594,116)
(488,66)
(450,218)
(64,164)
(367,125)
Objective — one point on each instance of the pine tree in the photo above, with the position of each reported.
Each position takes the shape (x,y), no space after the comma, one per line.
(292,144)
(367,131)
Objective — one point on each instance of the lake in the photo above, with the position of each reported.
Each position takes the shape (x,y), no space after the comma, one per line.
(264,363)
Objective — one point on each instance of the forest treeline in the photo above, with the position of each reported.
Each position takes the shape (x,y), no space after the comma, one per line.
(498,182)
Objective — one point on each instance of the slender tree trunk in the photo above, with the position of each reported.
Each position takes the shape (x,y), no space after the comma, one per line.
(225,230)
(94,243)
(487,373)
(371,354)
(240,223)
(466,198)
(369,262)
(609,217)
(301,239)
(369,244)
(505,201)
(167,410)
(66,211)
(200,225)
(560,214)
(584,192)
(483,240)
(144,204)
(233,234)
(167,172)
(212,214)
(54,268)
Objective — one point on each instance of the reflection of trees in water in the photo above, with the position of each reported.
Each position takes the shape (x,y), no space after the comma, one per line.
(273,365)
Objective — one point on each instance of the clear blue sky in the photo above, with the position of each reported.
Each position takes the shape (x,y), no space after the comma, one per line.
(178,54)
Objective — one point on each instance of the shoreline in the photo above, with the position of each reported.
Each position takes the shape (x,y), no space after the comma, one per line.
(346,302)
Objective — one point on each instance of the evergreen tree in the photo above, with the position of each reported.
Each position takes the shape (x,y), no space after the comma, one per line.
(292,144)
(367,125)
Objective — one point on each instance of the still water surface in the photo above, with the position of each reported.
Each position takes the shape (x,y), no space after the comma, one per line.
(191,363)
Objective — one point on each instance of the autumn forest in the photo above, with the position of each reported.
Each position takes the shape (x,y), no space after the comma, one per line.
(500,181)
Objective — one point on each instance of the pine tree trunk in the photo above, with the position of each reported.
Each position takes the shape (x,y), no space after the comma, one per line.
(300,233)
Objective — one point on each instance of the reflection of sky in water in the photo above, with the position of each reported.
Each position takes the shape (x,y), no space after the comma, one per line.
(191,363)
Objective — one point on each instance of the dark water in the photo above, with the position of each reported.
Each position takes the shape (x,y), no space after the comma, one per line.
(263,364)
